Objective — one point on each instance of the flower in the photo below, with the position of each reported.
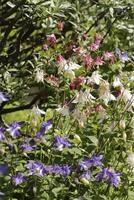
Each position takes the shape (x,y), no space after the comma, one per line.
(95,78)
(36,168)
(2,136)
(26,146)
(109,56)
(86,175)
(39,77)
(88,163)
(88,61)
(60,169)
(51,39)
(94,47)
(98,38)
(60,25)
(3,97)
(123,56)
(75,84)
(117,82)
(64,110)
(37,111)
(45,126)
(60,143)
(3,169)
(84,97)
(98,61)
(18,178)
(110,176)
(130,159)
(59,59)
(14,128)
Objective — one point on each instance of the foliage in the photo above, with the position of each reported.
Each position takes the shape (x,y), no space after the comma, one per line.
(74,89)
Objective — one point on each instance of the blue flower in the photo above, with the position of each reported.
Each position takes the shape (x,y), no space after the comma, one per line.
(3,98)
(2,136)
(59,169)
(88,163)
(66,170)
(86,175)
(110,176)
(3,169)
(60,143)
(14,129)
(18,178)
(45,126)
(26,146)
(36,168)
(123,56)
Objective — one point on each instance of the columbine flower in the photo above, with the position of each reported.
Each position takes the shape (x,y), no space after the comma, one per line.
(95,78)
(26,146)
(98,61)
(36,168)
(123,56)
(109,56)
(14,129)
(3,169)
(60,143)
(3,98)
(85,177)
(94,47)
(117,82)
(130,159)
(51,39)
(88,61)
(110,176)
(77,82)
(88,163)
(59,169)
(84,97)
(98,38)
(18,178)
(64,110)
(2,136)
(39,77)
(60,26)
(37,111)
(104,92)
(45,126)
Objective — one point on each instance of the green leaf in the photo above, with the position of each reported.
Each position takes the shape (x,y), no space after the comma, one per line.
(94,140)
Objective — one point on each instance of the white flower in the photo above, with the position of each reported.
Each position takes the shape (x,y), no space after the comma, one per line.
(67,66)
(122,124)
(37,111)
(104,92)
(39,76)
(63,110)
(126,95)
(95,78)
(69,74)
(117,82)
(80,116)
(130,159)
(84,97)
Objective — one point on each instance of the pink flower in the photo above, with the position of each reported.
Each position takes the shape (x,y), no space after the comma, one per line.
(98,61)
(109,56)
(77,50)
(77,82)
(98,38)
(45,47)
(59,59)
(94,47)
(84,36)
(51,39)
(88,61)
(60,26)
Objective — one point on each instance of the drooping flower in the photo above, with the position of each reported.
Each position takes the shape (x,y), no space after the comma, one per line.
(95,78)
(123,56)
(94,47)
(45,126)
(26,146)
(98,61)
(98,38)
(59,59)
(109,56)
(117,82)
(37,111)
(84,97)
(130,159)
(86,175)
(36,168)
(110,176)
(61,142)
(2,136)
(75,84)
(60,25)
(64,110)
(51,39)
(3,169)
(39,76)
(88,61)
(59,169)
(14,129)
(88,163)
(3,97)
(18,178)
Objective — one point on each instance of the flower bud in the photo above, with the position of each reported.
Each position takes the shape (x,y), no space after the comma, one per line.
(77,139)
(84,181)
(122,124)
(124,136)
